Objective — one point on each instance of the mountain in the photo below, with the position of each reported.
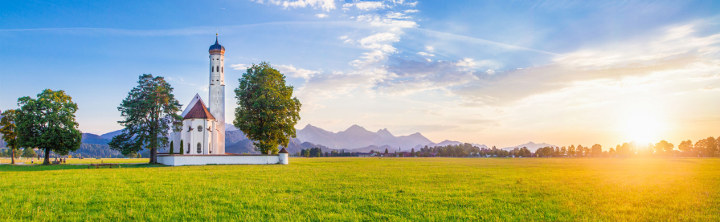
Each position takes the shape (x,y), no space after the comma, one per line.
(354,139)
(230,127)
(357,138)
(530,146)
(234,136)
(110,135)
(90,138)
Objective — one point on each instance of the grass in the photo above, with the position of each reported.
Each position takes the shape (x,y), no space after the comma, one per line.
(372,189)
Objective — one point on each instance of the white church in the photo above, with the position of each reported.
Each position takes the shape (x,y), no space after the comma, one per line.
(203,127)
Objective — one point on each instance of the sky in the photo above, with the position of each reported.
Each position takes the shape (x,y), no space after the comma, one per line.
(489,72)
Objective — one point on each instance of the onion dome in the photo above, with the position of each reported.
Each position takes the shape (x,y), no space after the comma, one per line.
(216,48)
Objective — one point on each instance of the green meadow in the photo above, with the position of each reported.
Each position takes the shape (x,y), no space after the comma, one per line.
(595,189)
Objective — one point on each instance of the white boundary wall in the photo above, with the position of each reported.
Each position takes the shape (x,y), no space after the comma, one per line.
(182,160)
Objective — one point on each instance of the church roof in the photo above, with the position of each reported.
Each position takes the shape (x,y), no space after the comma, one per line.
(216,48)
(283,150)
(198,111)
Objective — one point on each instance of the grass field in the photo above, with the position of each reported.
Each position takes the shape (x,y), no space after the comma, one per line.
(371,189)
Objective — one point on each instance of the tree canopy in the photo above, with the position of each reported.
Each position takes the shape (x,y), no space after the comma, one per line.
(48,122)
(149,112)
(8,130)
(267,112)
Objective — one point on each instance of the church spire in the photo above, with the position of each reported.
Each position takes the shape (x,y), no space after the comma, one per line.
(216,48)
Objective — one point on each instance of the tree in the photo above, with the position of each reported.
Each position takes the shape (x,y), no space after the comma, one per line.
(266,112)
(579,151)
(686,146)
(172,147)
(711,146)
(149,112)
(700,147)
(181,147)
(596,150)
(386,151)
(664,146)
(29,152)
(48,122)
(9,131)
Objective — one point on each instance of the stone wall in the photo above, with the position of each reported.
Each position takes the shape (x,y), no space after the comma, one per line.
(182,160)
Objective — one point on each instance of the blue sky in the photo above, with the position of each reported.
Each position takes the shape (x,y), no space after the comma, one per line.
(493,72)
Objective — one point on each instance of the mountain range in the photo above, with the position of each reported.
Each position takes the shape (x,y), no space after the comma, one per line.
(530,146)
(354,139)
(357,138)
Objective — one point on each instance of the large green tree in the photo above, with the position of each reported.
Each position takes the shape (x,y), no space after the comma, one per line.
(29,152)
(48,122)
(8,130)
(149,112)
(267,112)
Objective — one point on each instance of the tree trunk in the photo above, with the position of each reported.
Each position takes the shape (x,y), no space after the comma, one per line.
(153,155)
(12,156)
(47,157)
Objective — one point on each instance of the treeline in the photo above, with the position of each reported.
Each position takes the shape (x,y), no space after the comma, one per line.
(708,147)
(317,152)
(28,153)
(86,150)
(97,150)
(468,150)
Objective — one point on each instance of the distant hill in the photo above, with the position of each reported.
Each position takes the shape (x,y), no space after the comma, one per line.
(110,135)
(354,139)
(357,138)
(530,146)
(90,138)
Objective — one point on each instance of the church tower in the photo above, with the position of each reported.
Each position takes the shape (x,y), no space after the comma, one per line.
(217,92)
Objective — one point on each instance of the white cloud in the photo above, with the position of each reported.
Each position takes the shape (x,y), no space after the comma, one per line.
(430,48)
(678,54)
(469,64)
(364,5)
(321,15)
(239,66)
(426,54)
(325,5)
(296,72)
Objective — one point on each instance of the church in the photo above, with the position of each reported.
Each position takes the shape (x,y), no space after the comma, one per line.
(203,126)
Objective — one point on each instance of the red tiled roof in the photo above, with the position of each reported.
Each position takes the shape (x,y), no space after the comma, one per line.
(199,111)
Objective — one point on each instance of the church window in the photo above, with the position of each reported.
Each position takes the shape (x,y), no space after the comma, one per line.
(199,128)
(223,69)
(189,128)
(199,148)
(217,68)
(188,150)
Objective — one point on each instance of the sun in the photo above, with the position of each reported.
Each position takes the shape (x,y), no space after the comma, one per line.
(643,128)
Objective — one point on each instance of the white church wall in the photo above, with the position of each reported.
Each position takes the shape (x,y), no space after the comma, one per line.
(193,137)
(182,160)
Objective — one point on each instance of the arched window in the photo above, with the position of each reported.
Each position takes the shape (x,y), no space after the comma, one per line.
(188,150)
(223,69)
(199,150)
(217,68)
(200,128)
(189,128)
